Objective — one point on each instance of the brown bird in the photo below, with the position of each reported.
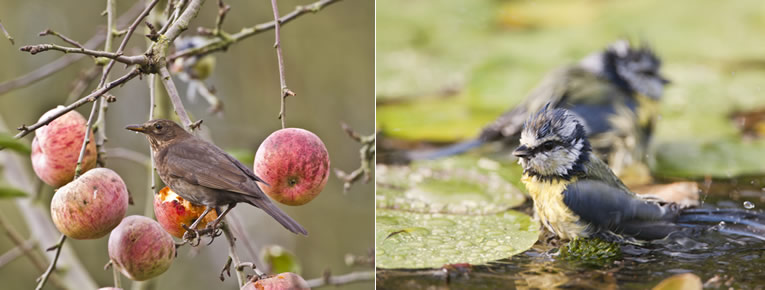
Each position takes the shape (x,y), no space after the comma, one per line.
(204,174)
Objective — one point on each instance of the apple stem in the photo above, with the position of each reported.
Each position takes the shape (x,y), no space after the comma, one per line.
(116,275)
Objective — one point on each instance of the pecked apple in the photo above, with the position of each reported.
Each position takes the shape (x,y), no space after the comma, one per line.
(90,206)
(295,164)
(140,248)
(172,211)
(283,281)
(56,148)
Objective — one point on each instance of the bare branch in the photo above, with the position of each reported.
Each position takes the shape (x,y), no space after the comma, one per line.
(284,91)
(184,19)
(222,10)
(125,40)
(35,49)
(7,35)
(17,252)
(223,44)
(63,37)
(87,139)
(64,61)
(175,98)
(92,97)
(46,275)
(16,238)
(352,277)
(367,154)
(234,258)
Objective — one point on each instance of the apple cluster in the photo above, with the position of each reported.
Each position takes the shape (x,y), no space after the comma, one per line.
(293,162)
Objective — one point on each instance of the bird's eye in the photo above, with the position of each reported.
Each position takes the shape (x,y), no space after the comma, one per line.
(158,126)
(547,146)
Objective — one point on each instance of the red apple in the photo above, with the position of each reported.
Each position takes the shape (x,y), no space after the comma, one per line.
(140,248)
(56,147)
(295,163)
(283,281)
(172,211)
(90,206)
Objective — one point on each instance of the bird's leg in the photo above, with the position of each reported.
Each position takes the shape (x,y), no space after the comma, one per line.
(192,232)
(213,227)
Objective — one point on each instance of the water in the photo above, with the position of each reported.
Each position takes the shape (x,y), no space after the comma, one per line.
(720,260)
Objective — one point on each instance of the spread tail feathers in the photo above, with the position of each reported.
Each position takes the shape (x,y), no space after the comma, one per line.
(271,209)
(450,150)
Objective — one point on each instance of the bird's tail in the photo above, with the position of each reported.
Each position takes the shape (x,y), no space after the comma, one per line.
(450,150)
(275,212)
(727,220)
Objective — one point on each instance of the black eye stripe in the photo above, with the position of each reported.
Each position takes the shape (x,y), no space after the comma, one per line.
(546,146)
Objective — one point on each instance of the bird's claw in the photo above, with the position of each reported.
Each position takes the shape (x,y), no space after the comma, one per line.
(192,236)
(214,232)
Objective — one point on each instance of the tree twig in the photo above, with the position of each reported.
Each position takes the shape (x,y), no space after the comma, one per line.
(122,46)
(329,280)
(240,276)
(222,44)
(86,141)
(284,91)
(367,156)
(64,61)
(17,252)
(92,97)
(37,261)
(37,48)
(175,98)
(44,277)
(63,37)
(7,35)
(182,23)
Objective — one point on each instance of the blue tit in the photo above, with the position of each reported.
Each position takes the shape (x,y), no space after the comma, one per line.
(615,92)
(196,67)
(576,195)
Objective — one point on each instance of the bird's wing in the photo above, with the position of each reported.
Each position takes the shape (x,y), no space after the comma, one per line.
(204,164)
(611,208)
(552,89)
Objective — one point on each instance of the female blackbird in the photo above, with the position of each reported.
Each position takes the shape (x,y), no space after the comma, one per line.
(204,174)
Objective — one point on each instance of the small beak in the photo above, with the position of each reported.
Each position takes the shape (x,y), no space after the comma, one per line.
(137,128)
(664,81)
(522,152)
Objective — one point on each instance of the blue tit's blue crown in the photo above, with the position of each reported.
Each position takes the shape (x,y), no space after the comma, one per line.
(553,145)
(635,69)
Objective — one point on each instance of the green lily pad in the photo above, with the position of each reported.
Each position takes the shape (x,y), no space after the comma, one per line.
(722,158)
(462,184)
(432,119)
(418,240)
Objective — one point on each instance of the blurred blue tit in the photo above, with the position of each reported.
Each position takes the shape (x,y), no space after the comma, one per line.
(615,92)
(576,195)
(195,67)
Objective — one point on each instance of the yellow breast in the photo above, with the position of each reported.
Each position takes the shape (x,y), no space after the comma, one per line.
(550,209)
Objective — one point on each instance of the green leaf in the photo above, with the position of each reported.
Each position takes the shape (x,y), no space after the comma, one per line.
(420,240)
(11,192)
(280,260)
(463,184)
(7,141)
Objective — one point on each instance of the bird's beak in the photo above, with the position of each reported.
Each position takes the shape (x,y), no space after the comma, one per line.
(137,128)
(664,81)
(522,151)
